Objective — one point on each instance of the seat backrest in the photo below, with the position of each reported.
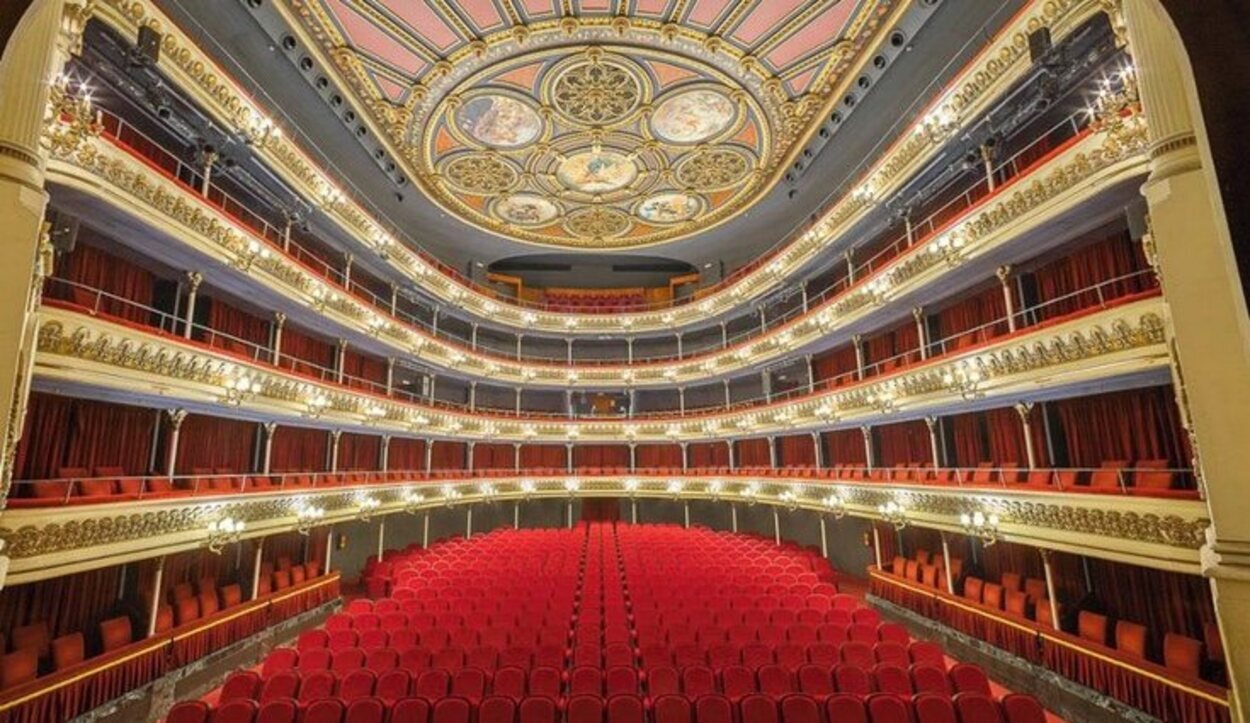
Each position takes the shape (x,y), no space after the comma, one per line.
(411,710)
(1182,653)
(852,679)
(1035,588)
(32,637)
(927,678)
(1020,708)
(583,709)
(278,710)
(188,711)
(671,709)
(977,708)
(1130,638)
(323,710)
(496,709)
(243,710)
(973,588)
(969,678)
(625,708)
(450,710)
(68,650)
(758,708)
(1092,626)
(799,708)
(846,709)
(934,708)
(241,684)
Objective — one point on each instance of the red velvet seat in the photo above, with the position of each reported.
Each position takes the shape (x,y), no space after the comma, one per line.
(888,708)
(393,685)
(240,710)
(852,679)
(411,710)
(470,684)
(241,685)
(355,684)
(968,678)
(934,708)
(625,708)
(18,667)
(584,709)
(32,637)
(1182,654)
(545,681)
(672,709)
(279,660)
(1018,708)
(189,711)
(697,680)
(365,710)
(758,709)
(846,709)
(316,685)
(927,678)
(324,710)
(799,708)
(1130,638)
(977,708)
(894,679)
(68,650)
(1092,626)
(663,680)
(497,709)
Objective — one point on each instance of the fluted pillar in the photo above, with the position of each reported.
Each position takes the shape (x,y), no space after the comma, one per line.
(1190,245)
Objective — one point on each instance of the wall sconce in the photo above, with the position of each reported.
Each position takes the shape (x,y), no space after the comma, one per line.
(306,517)
(316,405)
(374,414)
(835,506)
(249,253)
(572,486)
(631,486)
(223,532)
(714,488)
(245,386)
(789,499)
(893,513)
(979,524)
(750,492)
(964,379)
(528,488)
(412,502)
(883,399)
(74,118)
(368,505)
(488,491)
(450,495)
(675,488)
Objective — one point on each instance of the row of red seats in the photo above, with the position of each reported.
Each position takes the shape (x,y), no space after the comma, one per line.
(879,708)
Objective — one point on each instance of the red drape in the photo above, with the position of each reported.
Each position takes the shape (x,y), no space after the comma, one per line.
(658,455)
(493,456)
(1133,425)
(902,443)
(237,327)
(361,369)
(359,451)
(709,454)
(838,365)
(543,456)
(975,319)
(601,455)
(301,352)
(65,432)
(846,447)
(406,454)
(1113,257)
(796,451)
(752,453)
(448,455)
(209,444)
(92,267)
(894,348)
(995,436)
(67,604)
(299,449)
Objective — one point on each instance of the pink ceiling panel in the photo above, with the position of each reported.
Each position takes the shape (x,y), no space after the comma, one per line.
(596,5)
(705,12)
(823,30)
(766,18)
(483,13)
(539,7)
(651,7)
(371,39)
(423,22)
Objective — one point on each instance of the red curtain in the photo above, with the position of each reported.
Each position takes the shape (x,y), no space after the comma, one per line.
(67,604)
(896,347)
(359,452)
(968,439)
(303,353)
(406,454)
(448,455)
(709,454)
(601,455)
(902,443)
(1114,256)
(972,320)
(543,456)
(360,369)
(753,453)
(65,432)
(796,451)
(658,455)
(215,444)
(1133,425)
(299,449)
(238,327)
(836,364)
(98,269)
(493,456)
(995,436)
(846,447)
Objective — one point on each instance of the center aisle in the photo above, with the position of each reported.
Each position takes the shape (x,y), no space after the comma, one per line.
(608,623)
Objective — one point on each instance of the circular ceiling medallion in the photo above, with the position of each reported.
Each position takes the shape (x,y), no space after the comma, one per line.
(669,207)
(597,145)
(596,222)
(480,173)
(693,116)
(597,172)
(499,121)
(713,169)
(599,91)
(526,209)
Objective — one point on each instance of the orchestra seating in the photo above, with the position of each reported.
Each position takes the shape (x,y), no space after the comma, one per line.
(607,623)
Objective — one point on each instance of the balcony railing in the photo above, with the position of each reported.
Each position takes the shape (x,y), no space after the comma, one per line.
(1090,300)
(1145,481)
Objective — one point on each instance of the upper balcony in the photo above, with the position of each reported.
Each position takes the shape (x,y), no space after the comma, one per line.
(1004,61)
(151,195)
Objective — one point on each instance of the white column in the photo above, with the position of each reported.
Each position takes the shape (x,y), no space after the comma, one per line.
(876,546)
(934,448)
(681,400)
(633,511)
(824,538)
(776,526)
(633,456)
(1026,424)
(811,374)
(385,463)
(946,557)
(329,548)
(429,456)
(279,321)
(685,505)
(922,331)
(473,396)
(685,456)
(868,455)
(194,279)
(394,298)
(733,462)
(347,270)
(468,454)
(468,521)
(516,456)
(850,265)
(176,417)
(257,556)
(157,584)
(270,428)
(381,537)
(818,449)
(341,361)
(772,452)
(390,376)
(1050,588)
(1004,277)
(425,530)
(335,436)
(858,341)
(733,517)
(516,515)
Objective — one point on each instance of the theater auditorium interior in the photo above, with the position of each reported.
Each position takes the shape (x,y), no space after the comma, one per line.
(624,361)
